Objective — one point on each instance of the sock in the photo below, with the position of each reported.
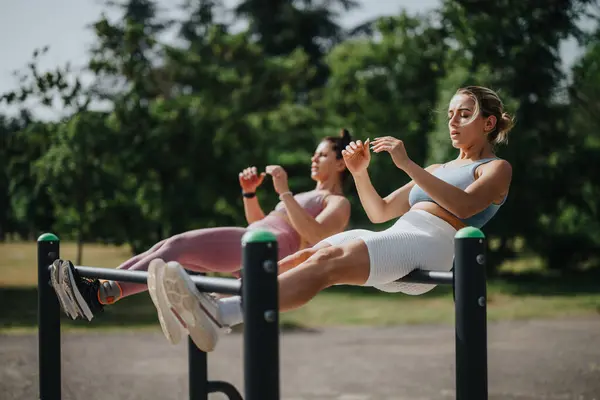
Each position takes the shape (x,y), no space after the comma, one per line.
(109,292)
(230,310)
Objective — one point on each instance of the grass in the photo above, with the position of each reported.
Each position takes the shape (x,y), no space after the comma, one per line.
(518,295)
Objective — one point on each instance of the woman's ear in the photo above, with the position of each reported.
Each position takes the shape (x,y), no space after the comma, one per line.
(490,123)
(340,165)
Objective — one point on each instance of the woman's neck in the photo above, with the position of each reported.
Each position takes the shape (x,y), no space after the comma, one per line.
(476,152)
(333,186)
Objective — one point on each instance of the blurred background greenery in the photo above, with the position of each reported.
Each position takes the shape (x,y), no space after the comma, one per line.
(179,119)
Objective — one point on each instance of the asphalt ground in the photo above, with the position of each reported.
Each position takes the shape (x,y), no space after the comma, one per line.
(541,359)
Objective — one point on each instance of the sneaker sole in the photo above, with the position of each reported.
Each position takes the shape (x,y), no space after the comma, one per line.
(168,323)
(69,300)
(55,279)
(187,307)
(69,282)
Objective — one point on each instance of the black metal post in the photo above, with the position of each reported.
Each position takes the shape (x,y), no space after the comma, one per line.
(471,315)
(198,372)
(197,367)
(48,321)
(260,297)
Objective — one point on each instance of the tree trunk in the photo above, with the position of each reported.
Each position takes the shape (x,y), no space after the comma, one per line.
(79,246)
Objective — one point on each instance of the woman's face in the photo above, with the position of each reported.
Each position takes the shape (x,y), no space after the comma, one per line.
(324,164)
(465,131)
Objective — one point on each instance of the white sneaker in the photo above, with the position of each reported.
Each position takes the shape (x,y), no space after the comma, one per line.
(171,328)
(196,311)
(56,281)
(75,292)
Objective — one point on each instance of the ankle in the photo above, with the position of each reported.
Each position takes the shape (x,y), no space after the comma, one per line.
(109,292)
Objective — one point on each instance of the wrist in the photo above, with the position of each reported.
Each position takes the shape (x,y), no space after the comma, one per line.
(360,175)
(283,194)
(248,195)
(408,166)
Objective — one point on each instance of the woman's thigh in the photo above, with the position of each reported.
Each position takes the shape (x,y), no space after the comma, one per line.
(394,254)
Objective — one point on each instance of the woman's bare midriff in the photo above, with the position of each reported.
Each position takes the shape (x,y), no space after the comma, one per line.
(428,206)
(284,217)
(433,208)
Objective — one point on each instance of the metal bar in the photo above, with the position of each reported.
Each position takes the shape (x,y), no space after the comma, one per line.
(261,316)
(424,276)
(203,283)
(226,388)
(470,308)
(48,321)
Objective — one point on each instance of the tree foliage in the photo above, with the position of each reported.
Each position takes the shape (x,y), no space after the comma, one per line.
(180,118)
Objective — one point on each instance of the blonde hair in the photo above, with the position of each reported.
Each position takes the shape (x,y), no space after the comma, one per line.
(487,103)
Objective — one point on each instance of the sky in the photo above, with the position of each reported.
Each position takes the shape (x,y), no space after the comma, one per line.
(29,24)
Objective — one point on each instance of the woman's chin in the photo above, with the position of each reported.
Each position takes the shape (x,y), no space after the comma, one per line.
(457,144)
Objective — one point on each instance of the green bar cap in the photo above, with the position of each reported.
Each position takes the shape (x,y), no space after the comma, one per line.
(48,237)
(469,232)
(258,237)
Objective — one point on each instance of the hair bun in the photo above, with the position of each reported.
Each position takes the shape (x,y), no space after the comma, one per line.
(507,121)
(345,135)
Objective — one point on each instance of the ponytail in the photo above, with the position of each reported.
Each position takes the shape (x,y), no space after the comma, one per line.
(340,142)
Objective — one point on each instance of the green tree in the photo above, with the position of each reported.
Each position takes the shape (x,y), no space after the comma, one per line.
(78,175)
(60,91)
(284,26)
(386,84)
(577,224)
(509,38)
(9,128)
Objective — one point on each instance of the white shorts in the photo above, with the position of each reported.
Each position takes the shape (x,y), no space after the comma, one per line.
(418,239)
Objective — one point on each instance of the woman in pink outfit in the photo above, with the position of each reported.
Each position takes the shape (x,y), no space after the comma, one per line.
(298,221)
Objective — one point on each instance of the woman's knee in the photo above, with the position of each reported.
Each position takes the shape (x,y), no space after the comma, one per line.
(157,246)
(328,253)
(347,263)
(324,265)
(175,243)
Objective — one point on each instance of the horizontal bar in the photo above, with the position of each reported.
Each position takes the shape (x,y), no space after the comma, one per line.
(424,276)
(203,283)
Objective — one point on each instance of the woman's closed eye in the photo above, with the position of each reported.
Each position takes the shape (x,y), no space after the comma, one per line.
(462,115)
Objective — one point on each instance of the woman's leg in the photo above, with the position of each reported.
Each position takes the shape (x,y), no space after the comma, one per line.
(293,260)
(133,260)
(343,264)
(358,258)
(110,291)
(205,318)
(201,250)
(338,239)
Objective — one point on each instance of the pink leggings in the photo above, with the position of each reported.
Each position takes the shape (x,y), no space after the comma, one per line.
(200,250)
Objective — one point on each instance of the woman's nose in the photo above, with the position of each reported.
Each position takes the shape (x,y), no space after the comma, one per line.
(453,121)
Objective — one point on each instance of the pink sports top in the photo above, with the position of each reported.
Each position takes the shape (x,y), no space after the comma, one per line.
(289,240)
(313,202)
